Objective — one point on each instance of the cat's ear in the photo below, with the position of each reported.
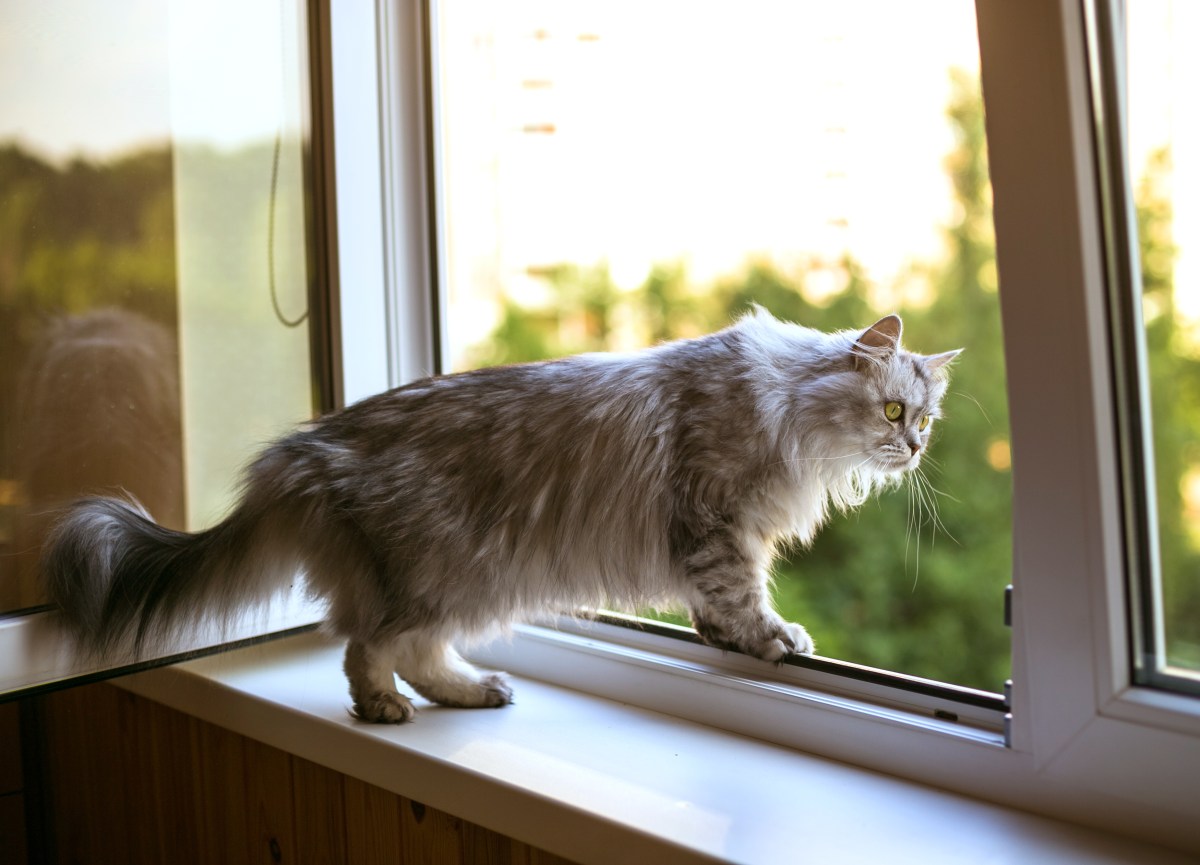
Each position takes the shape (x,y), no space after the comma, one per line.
(935,362)
(879,341)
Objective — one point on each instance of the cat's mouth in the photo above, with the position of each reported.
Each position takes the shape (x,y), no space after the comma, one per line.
(894,461)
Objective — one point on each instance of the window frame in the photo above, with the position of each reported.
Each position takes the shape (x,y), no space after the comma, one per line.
(1076,713)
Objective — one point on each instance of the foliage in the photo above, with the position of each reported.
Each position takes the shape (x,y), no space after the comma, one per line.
(1174,380)
(889,586)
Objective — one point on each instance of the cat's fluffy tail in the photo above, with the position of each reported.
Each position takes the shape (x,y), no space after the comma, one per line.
(124,583)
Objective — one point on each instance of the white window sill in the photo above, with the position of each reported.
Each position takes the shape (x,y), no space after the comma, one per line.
(598,781)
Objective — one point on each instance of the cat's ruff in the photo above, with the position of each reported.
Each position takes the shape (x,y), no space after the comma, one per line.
(439,511)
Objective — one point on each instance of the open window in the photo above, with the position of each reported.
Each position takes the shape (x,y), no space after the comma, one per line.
(165,290)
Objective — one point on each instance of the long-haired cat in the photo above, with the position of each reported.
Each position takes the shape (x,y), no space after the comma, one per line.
(439,511)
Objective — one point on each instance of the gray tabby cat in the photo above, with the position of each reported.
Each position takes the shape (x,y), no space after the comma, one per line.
(440,511)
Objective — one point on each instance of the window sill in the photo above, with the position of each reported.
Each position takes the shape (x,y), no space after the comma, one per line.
(583,776)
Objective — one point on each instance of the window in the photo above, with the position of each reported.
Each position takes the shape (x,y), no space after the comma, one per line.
(617,174)
(162,294)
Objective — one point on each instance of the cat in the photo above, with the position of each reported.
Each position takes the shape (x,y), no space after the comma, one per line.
(443,510)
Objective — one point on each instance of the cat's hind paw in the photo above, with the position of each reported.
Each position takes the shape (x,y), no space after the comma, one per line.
(384,707)
(497,691)
(488,691)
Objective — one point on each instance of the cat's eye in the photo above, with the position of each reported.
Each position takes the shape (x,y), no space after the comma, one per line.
(923,423)
(893,410)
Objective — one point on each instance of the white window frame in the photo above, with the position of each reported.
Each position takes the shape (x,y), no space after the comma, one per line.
(1084,744)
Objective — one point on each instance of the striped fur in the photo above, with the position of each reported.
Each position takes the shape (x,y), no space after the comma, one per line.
(440,511)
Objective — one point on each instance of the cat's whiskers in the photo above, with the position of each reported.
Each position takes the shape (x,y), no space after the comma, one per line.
(934,491)
(913,522)
(817,459)
(922,511)
(978,404)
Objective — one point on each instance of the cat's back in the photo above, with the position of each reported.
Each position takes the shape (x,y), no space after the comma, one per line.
(565,402)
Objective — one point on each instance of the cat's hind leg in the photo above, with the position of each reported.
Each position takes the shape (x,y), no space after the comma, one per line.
(438,673)
(370,668)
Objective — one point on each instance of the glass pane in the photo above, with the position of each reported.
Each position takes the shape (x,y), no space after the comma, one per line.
(154,257)
(619,173)
(1164,155)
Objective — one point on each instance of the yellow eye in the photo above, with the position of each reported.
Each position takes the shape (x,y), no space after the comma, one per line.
(923,424)
(893,410)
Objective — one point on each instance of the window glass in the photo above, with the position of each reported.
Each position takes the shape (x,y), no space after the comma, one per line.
(155,257)
(1164,166)
(619,173)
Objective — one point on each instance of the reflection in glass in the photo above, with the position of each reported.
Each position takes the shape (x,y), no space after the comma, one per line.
(154,257)
(620,173)
(1164,157)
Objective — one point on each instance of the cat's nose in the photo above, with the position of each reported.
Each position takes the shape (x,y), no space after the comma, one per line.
(914,447)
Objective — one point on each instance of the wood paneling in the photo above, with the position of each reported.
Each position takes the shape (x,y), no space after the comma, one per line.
(272,836)
(372,824)
(10,749)
(128,780)
(12,787)
(319,805)
(12,829)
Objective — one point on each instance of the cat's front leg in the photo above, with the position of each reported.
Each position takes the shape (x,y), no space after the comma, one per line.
(761,633)
(732,609)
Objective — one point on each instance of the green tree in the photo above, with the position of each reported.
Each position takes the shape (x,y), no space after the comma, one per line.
(1174,379)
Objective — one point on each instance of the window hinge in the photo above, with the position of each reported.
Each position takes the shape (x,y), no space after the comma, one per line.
(1008,684)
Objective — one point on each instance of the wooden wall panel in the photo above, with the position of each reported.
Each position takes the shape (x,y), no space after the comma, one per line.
(218,772)
(12,829)
(319,806)
(372,824)
(129,780)
(84,739)
(429,837)
(11,780)
(272,835)
(171,828)
(12,786)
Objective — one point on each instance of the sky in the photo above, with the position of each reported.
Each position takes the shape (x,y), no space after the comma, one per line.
(1164,78)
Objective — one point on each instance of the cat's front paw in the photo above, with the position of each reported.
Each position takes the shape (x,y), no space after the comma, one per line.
(789,640)
(769,638)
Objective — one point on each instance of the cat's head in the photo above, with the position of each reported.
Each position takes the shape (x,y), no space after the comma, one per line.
(897,397)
